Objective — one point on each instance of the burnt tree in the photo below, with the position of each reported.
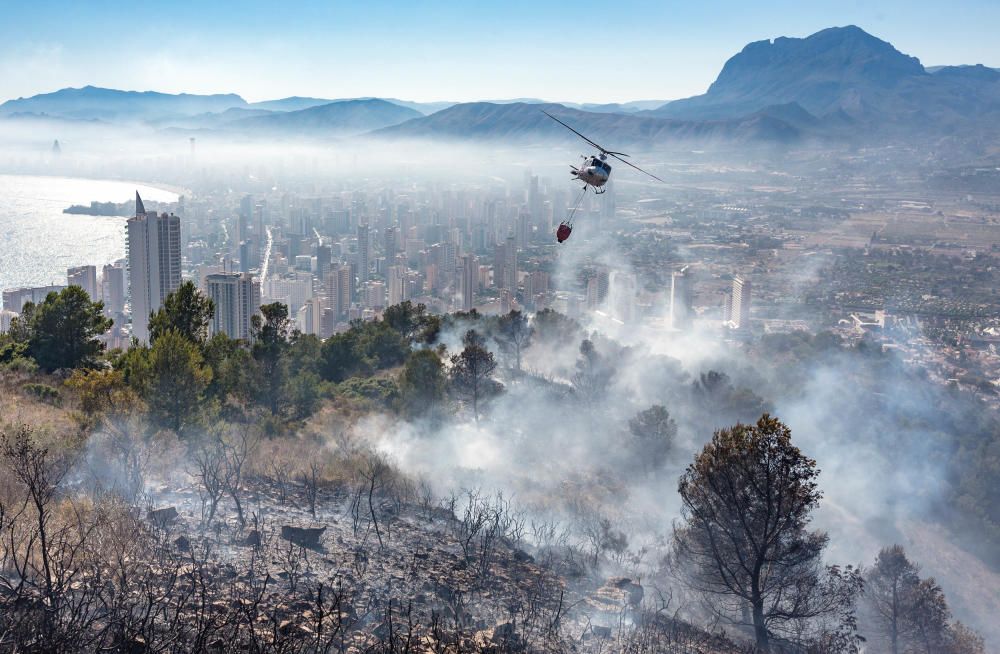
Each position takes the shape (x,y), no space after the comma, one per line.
(744,542)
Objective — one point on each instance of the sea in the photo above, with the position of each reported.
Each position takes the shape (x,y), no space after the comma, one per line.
(38,242)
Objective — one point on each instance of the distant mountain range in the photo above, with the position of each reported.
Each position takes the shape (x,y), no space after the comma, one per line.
(840,83)
(525,123)
(297,103)
(111,105)
(335,118)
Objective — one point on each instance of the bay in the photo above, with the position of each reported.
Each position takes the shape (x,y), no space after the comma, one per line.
(38,242)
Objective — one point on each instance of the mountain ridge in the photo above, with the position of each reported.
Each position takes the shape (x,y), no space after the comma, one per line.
(526,122)
(845,71)
(334,118)
(840,83)
(90,102)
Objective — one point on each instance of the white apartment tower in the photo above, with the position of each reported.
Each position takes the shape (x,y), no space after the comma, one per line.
(739,314)
(113,289)
(154,264)
(237,299)
(681,302)
(397,282)
(86,278)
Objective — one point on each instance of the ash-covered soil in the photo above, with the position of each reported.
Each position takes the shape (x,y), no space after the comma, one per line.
(368,572)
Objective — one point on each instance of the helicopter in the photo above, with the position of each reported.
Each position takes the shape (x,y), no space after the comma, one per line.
(594,172)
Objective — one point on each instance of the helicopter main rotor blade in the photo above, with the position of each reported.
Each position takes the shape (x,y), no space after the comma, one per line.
(628,163)
(574,131)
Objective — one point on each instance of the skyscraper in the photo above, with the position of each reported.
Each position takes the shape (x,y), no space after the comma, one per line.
(259,219)
(86,278)
(154,263)
(309,318)
(510,266)
(621,296)
(681,303)
(324,256)
(243,219)
(339,282)
(597,289)
(397,282)
(389,244)
(534,199)
(499,265)
(237,299)
(506,302)
(375,295)
(113,289)
(739,315)
(364,265)
(469,281)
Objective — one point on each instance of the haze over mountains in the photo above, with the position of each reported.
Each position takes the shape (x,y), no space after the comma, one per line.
(840,83)
(844,73)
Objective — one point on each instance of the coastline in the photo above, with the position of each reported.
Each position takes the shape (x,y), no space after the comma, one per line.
(41,241)
(161,186)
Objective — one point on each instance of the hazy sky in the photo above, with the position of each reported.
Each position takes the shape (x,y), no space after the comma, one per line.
(572,50)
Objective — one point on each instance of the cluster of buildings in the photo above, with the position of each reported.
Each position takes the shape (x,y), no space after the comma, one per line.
(135,287)
(347,255)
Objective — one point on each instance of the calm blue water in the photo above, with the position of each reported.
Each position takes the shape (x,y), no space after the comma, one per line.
(38,242)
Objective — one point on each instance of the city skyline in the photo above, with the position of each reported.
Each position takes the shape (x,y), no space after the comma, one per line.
(422,52)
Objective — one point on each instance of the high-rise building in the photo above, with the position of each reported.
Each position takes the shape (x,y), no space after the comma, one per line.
(339,285)
(534,198)
(432,280)
(505,264)
(523,225)
(375,295)
(469,281)
(506,302)
(597,289)
(324,256)
(237,299)
(292,290)
(364,253)
(154,263)
(14,299)
(739,314)
(536,282)
(510,266)
(309,318)
(86,278)
(681,303)
(622,288)
(243,221)
(259,220)
(397,283)
(390,245)
(332,292)
(6,318)
(499,262)
(113,289)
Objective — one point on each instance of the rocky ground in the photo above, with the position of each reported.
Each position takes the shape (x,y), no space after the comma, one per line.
(389,575)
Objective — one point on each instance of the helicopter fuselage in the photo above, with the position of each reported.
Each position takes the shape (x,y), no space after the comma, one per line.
(593,172)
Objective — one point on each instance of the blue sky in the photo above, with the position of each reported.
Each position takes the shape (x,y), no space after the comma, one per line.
(570,50)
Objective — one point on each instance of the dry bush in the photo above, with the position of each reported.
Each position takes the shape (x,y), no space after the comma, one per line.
(20,407)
